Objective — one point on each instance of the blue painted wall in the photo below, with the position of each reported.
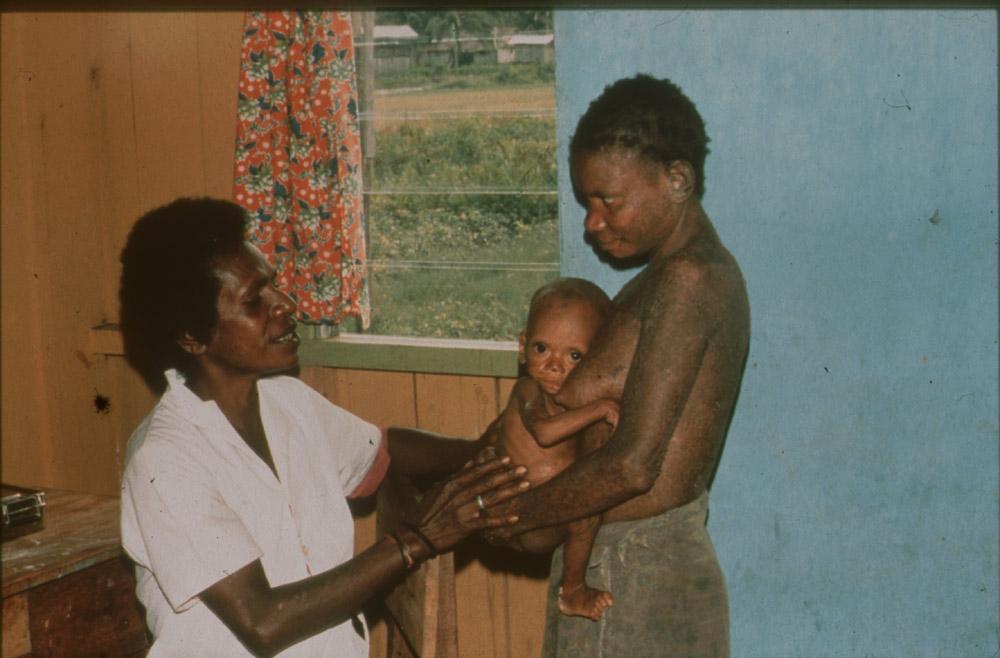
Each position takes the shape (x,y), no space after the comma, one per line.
(854,176)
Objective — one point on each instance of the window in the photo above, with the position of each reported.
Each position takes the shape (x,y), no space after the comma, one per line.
(458,130)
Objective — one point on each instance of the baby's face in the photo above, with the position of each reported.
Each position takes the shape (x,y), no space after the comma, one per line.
(557,339)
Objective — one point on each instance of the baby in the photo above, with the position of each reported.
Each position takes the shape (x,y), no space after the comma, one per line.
(533,430)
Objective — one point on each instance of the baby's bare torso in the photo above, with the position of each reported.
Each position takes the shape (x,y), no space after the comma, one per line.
(515,440)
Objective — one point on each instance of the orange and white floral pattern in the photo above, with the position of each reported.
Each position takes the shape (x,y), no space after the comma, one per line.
(298,159)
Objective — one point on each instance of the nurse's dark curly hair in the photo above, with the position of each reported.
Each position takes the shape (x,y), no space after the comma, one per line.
(167,284)
(647,115)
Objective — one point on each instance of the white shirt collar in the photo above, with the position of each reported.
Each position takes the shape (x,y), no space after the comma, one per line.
(204,413)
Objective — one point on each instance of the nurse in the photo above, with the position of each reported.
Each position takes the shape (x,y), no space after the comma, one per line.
(234,496)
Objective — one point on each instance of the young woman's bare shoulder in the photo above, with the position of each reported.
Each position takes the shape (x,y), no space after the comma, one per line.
(678,276)
(690,282)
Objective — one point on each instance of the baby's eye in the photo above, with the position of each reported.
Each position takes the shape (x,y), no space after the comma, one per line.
(540,348)
(608,200)
(576,356)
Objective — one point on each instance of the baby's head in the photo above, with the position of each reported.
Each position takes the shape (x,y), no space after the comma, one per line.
(563,318)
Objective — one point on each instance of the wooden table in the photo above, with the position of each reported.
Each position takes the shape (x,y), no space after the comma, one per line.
(68,589)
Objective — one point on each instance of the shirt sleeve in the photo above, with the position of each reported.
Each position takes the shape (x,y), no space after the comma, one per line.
(181,525)
(373,478)
(356,442)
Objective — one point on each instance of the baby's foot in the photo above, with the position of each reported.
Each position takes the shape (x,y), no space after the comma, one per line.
(582,601)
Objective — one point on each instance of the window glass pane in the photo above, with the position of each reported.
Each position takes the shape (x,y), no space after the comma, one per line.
(461,180)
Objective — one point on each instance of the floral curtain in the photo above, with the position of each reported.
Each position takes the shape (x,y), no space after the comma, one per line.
(298,159)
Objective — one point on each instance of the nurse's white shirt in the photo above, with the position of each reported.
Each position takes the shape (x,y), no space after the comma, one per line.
(198,504)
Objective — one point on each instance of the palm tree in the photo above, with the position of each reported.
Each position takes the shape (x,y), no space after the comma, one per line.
(441,24)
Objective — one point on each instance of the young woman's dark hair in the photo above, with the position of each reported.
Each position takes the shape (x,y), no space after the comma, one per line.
(649,116)
(167,284)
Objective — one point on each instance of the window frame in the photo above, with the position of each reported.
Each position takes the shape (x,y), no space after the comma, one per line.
(349,347)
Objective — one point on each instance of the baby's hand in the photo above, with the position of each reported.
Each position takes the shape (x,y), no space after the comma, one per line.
(611,411)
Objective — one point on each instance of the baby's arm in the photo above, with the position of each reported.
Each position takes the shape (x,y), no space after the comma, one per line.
(550,426)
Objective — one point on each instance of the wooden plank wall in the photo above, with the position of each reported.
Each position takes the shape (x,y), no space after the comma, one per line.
(104,115)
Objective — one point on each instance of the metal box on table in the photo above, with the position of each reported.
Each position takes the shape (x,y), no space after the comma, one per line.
(23,510)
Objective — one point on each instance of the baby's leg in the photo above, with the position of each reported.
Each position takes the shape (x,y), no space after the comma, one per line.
(542,540)
(575,597)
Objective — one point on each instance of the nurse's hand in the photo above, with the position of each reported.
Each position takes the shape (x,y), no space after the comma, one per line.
(457,507)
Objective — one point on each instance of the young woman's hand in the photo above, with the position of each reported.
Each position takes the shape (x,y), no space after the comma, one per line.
(458,506)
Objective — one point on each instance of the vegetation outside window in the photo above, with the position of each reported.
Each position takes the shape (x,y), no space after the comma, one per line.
(458,130)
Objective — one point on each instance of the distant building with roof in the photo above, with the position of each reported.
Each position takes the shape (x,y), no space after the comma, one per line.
(395,48)
(400,32)
(521,48)
(470,50)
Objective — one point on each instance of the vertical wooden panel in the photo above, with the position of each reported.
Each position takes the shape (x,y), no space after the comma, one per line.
(26,422)
(383,398)
(104,116)
(219,42)
(56,254)
(504,386)
(464,406)
(16,637)
(129,400)
(117,186)
(165,83)
(455,405)
(182,96)
(526,588)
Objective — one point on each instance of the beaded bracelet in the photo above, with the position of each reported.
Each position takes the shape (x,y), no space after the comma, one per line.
(422,537)
(404,550)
